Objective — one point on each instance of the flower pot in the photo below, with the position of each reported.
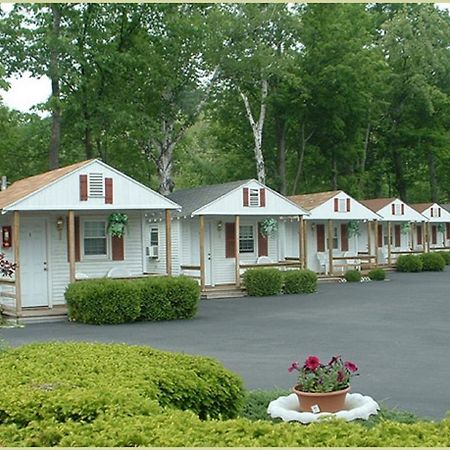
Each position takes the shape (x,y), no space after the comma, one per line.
(325,401)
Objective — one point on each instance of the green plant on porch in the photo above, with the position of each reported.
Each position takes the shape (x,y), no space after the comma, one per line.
(441,227)
(7,268)
(116,224)
(405,228)
(269,227)
(353,228)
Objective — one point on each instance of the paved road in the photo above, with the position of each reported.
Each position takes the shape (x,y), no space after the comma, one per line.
(397,331)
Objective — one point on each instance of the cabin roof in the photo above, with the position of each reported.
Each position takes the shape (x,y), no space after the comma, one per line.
(194,198)
(421,207)
(26,186)
(446,206)
(375,204)
(311,201)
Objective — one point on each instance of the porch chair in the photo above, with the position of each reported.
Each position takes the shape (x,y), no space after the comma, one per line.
(355,262)
(322,257)
(263,260)
(118,272)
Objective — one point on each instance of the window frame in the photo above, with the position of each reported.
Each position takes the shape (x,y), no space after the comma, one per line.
(253,240)
(99,257)
(397,209)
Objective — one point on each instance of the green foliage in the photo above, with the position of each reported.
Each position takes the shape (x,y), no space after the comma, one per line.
(103,301)
(261,282)
(119,301)
(169,298)
(353,275)
(409,263)
(80,382)
(432,262)
(377,274)
(299,282)
(446,256)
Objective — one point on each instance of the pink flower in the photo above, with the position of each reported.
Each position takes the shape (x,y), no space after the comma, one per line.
(340,376)
(352,367)
(294,366)
(312,363)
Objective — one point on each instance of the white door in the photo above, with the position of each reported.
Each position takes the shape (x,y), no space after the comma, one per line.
(209,278)
(33,262)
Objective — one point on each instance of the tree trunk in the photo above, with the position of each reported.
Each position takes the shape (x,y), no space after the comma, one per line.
(257,128)
(301,157)
(280,130)
(365,147)
(400,182)
(55,97)
(88,147)
(433,175)
(334,171)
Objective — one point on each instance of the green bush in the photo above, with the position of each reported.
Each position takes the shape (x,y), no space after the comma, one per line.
(81,382)
(168,298)
(409,263)
(353,275)
(446,256)
(377,274)
(260,282)
(432,262)
(103,301)
(300,282)
(118,301)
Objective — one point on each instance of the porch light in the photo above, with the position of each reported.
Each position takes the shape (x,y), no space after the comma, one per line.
(219,225)
(59,224)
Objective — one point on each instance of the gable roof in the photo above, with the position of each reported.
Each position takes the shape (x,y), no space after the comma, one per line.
(421,207)
(311,201)
(375,204)
(194,198)
(22,188)
(446,206)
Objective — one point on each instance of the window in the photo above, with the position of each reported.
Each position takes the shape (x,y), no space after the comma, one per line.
(253,197)
(435,212)
(342,205)
(96,185)
(94,237)
(246,239)
(335,239)
(154,237)
(397,209)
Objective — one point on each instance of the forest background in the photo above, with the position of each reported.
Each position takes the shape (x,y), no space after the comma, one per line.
(304,97)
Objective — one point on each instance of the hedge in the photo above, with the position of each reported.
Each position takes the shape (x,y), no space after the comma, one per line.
(261,282)
(377,274)
(299,282)
(409,263)
(111,301)
(446,256)
(68,382)
(353,275)
(432,262)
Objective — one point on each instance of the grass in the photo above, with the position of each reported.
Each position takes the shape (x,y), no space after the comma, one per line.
(256,403)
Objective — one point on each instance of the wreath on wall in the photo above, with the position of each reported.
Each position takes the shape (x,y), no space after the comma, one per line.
(116,224)
(353,228)
(405,228)
(440,227)
(269,227)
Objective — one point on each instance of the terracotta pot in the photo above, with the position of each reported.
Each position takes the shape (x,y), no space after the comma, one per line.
(326,401)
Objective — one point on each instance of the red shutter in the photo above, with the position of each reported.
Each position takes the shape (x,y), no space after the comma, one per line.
(397,235)
(419,234)
(380,235)
(230,240)
(320,230)
(262,197)
(403,209)
(434,235)
(393,209)
(118,251)
(348,205)
(344,237)
(448,230)
(77,239)
(262,243)
(336,205)
(108,190)
(245,199)
(83,188)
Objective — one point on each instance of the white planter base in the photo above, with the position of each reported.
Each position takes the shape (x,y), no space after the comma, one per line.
(357,406)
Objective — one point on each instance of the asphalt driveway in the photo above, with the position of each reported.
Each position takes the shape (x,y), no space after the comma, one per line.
(398,332)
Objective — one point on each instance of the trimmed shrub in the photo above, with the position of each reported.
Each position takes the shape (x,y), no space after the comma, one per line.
(169,298)
(377,274)
(103,301)
(79,382)
(299,282)
(409,263)
(261,282)
(432,262)
(446,256)
(353,275)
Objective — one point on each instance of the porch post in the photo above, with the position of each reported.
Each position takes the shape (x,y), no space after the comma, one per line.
(330,246)
(427,236)
(16,244)
(168,243)
(71,240)
(389,243)
(300,241)
(305,244)
(237,223)
(375,225)
(412,229)
(369,241)
(202,252)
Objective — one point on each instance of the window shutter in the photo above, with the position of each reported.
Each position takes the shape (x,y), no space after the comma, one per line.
(439,212)
(83,188)
(397,233)
(336,205)
(108,190)
(262,197)
(448,230)
(434,235)
(245,199)
(344,237)
(403,209)
(230,248)
(262,243)
(380,235)
(118,251)
(320,230)
(419,234)
(393,209)
(431,212)
(77,239)
(348,205)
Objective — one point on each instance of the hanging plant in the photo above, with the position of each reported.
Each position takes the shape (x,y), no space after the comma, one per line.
(116,224)
(441,227)
(269,227)
(405,228)
(353,228)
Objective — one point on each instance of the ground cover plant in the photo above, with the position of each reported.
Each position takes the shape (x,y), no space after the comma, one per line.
(432,262)
(353,275)
(261,282)
(377,274)
(409,263)
(299,282)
